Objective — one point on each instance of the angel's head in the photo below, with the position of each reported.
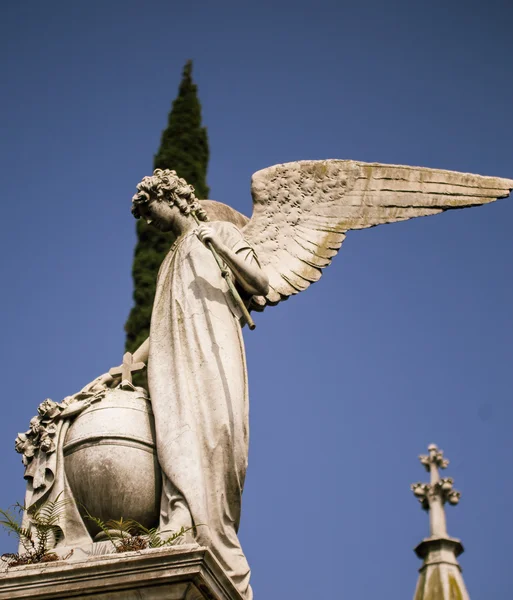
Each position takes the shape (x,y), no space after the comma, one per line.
(166,189)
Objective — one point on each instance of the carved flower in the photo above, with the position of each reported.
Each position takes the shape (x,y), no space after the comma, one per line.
(48,409)
(35,426)
(20,443)
(23,445)
(50,429)
(41,432)
(47,444)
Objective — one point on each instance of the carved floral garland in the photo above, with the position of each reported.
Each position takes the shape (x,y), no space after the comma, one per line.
(43,427)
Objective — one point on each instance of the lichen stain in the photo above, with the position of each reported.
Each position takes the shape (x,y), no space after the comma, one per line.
(454,589)
(420,588)
(367,170)
(434,589)
(320,170)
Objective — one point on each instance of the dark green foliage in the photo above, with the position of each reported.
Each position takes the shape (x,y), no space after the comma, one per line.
(184,144)
(183,148)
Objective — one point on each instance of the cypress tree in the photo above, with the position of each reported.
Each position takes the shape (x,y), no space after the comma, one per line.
(184,148)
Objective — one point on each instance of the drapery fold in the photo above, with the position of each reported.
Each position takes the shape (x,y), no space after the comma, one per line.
(198,387)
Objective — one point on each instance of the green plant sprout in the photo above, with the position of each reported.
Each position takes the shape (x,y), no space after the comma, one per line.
(39,537)
(127,535)
(43,533)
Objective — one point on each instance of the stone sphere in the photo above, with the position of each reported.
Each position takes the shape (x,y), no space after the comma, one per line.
(111,462)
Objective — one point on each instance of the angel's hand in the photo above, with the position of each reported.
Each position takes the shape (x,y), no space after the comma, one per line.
(207,234)
(100,383)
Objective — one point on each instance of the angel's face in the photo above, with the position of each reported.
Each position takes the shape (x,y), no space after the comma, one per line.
(160,215)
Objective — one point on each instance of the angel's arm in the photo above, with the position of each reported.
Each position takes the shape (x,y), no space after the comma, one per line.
(248,273)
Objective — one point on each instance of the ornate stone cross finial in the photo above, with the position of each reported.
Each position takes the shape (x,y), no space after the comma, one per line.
(126,369)
(435,494)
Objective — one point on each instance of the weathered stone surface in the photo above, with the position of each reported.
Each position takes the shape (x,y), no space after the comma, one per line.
(127,367)
(302,210)
(195,352)
(180,573)
(110,459)
(440,575)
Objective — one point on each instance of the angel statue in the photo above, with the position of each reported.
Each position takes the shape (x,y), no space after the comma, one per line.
(196,367)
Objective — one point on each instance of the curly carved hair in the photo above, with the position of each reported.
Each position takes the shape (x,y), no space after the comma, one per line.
(165,186)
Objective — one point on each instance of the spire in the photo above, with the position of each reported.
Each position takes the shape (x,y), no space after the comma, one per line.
(440,576)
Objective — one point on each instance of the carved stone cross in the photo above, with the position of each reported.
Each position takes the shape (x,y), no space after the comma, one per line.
(435,494)
(126,369)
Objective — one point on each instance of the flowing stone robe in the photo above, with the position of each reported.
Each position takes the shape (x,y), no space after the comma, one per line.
(198,387)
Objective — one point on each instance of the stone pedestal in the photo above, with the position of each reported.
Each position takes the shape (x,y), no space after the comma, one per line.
(179,573)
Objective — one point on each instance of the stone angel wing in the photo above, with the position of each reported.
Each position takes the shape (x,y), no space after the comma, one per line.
(302,211)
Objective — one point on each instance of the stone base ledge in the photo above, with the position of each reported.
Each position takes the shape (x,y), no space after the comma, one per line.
(434,550)
(178,573)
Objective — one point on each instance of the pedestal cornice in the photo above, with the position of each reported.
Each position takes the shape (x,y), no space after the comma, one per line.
(180,573)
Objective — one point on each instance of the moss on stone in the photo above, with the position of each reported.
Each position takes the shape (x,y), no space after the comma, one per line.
(420,587)
(433,590)
(454,589)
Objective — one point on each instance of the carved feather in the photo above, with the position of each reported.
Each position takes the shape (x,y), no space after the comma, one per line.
(302,210)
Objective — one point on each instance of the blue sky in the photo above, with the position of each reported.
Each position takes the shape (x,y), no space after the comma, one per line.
(407,338)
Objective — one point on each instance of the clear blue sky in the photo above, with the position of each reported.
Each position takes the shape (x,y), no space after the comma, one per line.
(406,340)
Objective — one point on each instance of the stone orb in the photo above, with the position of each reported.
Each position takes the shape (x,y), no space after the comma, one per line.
(110,460)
